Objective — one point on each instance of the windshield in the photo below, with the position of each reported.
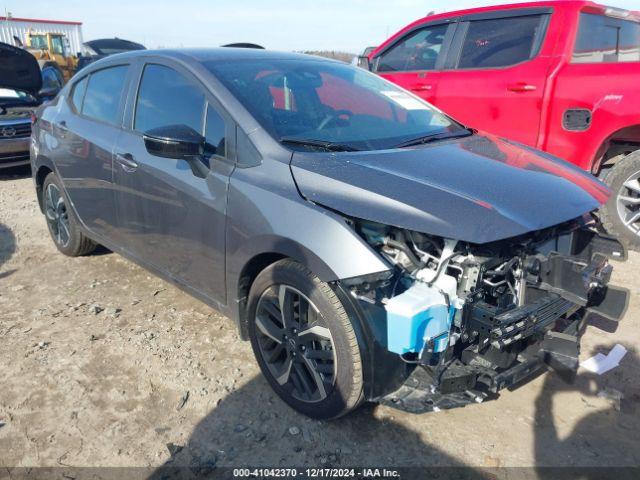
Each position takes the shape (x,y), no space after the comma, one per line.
(330,102)
(39,41)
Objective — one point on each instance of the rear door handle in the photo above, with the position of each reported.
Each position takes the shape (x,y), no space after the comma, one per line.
(421,87)
(521,87)
(126,162)
(62,129)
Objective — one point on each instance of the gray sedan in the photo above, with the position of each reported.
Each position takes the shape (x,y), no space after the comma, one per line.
(370,247)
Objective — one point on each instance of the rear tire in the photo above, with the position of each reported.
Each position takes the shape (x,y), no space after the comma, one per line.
(63,226)
(621,214)
(310,355)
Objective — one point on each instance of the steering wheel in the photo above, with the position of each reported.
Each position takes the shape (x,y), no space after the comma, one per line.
(333,116)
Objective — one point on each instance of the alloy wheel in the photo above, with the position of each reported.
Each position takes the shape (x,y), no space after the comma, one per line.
(57,216)
(295,343)
(628,203)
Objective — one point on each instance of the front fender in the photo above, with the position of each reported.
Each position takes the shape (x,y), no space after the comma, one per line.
(266,215)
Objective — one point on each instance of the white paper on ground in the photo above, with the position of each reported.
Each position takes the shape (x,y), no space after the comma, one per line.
(603,363)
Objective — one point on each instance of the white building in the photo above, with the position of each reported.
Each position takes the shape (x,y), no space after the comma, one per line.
(18,27)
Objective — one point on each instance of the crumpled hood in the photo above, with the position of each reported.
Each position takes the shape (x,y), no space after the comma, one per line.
(19,70)
(477,189)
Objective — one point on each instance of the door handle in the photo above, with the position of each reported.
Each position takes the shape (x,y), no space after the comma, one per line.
(126,162)
(422,87)
(62,129)
(521,87)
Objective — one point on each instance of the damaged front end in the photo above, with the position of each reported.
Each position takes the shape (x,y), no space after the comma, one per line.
(463,321)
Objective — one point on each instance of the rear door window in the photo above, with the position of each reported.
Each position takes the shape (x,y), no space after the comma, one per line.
(166,98)
(604,39)
(420,50)
(500,42)
(104,94)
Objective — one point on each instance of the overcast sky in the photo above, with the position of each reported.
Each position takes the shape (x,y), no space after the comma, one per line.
(347,25)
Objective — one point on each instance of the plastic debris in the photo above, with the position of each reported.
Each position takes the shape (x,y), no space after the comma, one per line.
(600,363)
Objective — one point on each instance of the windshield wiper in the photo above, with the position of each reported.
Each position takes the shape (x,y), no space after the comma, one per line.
(329,146)
(435,137)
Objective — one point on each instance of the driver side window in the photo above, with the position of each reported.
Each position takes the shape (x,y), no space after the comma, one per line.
(418,51)
(167,98)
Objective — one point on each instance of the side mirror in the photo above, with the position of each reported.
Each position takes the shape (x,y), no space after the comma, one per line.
(363,62)
(180,143)
(47,94)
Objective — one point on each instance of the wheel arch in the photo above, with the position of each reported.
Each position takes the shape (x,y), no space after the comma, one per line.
(43,167)
(618,144)
(257,259)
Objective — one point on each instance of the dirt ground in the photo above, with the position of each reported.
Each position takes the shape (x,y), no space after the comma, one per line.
(102,364)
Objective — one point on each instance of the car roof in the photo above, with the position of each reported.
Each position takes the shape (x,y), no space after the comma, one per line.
(510,6)
(226,54)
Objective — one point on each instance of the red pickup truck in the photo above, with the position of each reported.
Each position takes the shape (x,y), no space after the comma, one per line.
(561,76)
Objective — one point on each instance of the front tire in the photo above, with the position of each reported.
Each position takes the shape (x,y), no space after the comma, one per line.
(304,342)
(62,224)
(621,214)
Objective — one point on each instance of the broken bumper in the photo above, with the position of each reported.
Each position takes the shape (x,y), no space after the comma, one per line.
(459,385)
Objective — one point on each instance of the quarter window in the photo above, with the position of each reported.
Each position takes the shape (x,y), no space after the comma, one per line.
(419,51)
(104,92)
(500,42)
(215,133)
(78,94)
(604,39)
(168,98)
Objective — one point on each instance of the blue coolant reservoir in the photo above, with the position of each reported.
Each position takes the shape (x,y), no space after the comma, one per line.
(417,316)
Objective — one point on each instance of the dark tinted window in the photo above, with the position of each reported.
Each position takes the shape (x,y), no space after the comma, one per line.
(604,39)
(500,42)
(104,92)
(168,98)
(418,51)
(78,94)
(215,133)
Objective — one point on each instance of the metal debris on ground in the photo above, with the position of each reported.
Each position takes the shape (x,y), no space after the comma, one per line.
(183,400)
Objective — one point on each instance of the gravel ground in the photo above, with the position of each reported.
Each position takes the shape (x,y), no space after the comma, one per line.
(102,364)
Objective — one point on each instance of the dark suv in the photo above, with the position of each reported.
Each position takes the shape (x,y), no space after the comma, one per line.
(370,247)
(21,82)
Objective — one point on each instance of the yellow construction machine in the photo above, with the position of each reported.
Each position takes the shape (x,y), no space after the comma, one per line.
(52,50)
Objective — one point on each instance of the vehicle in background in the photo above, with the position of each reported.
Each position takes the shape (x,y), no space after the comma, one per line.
(243,45)
(52,51)
(55,43)
(21,93)
(362,60)
(369,246)
(104,47)
(559,76)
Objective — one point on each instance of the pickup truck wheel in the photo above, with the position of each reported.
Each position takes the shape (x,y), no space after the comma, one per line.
(621,214)
(304,342)
(61,222)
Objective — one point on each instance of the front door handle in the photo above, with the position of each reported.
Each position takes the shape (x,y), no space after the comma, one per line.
(521,87)
(126,162)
